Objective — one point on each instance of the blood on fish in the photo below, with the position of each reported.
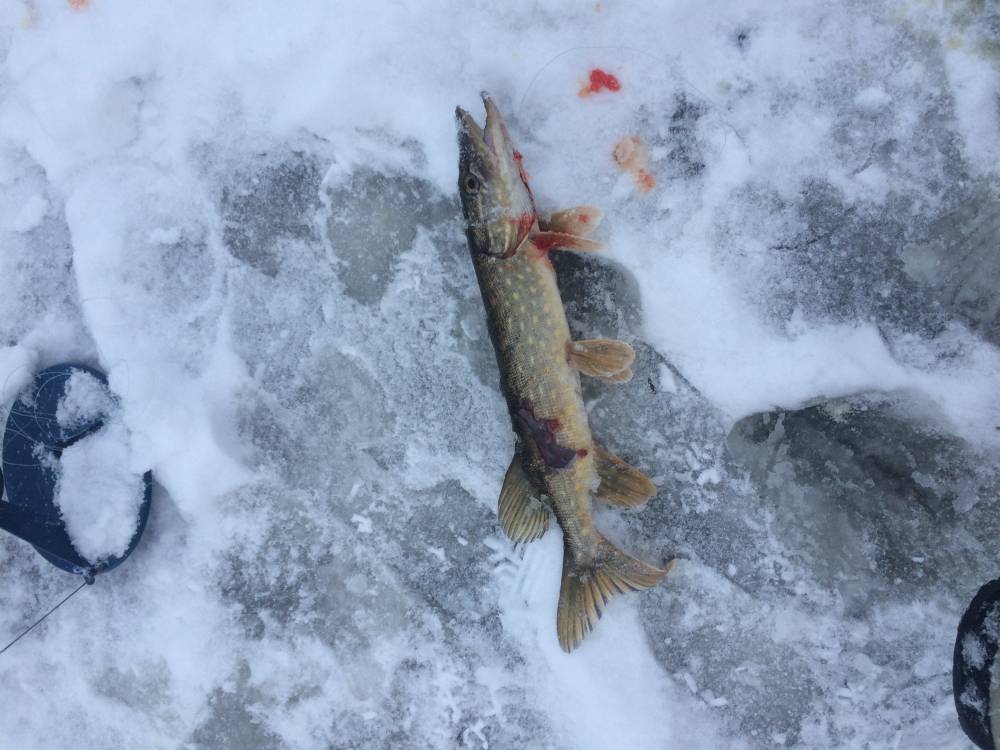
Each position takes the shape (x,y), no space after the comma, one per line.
(599,81)
(543,433)
(544,242)
(519,158)
(523,223)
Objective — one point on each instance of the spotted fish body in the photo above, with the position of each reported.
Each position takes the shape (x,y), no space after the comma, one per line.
(530,335)
(557,467)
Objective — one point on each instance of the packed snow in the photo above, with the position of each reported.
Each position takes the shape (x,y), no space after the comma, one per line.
(245,213)
(98,492)
(85,401)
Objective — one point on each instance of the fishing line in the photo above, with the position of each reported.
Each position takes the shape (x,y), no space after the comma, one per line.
(86,582)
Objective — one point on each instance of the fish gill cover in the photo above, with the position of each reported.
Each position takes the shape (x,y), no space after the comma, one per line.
(247,215)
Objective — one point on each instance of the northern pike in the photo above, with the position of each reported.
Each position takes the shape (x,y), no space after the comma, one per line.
(557,467)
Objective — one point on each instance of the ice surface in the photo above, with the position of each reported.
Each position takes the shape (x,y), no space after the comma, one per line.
(246,215)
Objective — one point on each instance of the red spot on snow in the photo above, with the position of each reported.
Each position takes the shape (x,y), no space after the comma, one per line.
(581,452)
(630,155)
(645,180)
(600,80)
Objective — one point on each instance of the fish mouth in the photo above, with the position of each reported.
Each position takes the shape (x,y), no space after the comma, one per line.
(492,140)
(470,135)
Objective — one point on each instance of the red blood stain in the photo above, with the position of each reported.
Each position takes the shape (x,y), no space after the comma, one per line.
(581,452)
(544,242)
(543,433)
(600,80)
(645,180)
(519,158)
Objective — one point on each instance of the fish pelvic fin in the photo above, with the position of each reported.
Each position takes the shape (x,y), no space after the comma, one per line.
(588,586)
(621,483)
(523,518)
(607,359)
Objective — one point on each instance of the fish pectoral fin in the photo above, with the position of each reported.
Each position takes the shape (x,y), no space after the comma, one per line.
(579,221)
(522,516)
(620,377)
(602,358)
(621,483)
(588,585)
(547,241)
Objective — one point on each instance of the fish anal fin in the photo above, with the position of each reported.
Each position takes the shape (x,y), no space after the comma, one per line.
(523,518)
(621,483)
(579,220)
(547,241)
(588,585)
(602,358)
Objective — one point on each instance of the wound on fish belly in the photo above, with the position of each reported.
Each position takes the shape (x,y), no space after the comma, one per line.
(543,432)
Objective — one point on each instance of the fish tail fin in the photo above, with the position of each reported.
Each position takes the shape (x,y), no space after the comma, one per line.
(587,587)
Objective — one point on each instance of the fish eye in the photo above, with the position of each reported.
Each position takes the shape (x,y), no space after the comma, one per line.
(471,183)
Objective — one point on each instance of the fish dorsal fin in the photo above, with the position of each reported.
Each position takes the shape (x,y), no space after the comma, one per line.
(602,358)
(547,241)
(523,518)
(621,483)
(579,220)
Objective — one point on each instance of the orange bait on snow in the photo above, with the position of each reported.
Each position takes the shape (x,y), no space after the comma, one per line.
(630,156)
(599,81)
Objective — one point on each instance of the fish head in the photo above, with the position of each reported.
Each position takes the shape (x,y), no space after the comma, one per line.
(496,200)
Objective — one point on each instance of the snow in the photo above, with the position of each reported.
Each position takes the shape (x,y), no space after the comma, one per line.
(98,495)
(245,214)
(30,215)
(85,400)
